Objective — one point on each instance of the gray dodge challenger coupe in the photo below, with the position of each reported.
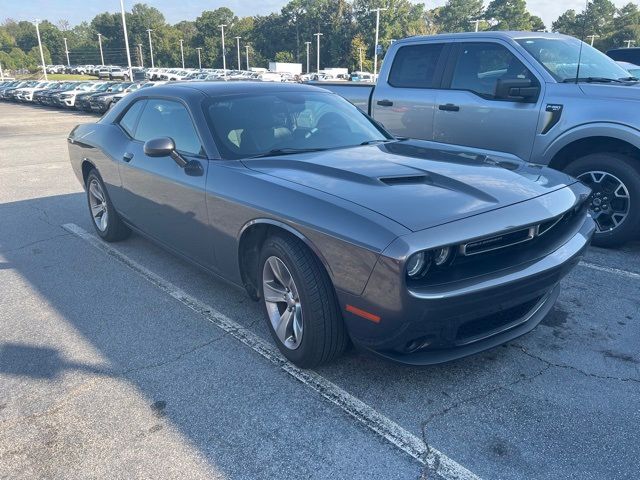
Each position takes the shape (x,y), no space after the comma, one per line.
(417,251)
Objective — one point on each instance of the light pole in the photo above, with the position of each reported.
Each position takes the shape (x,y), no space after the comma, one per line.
(477,22)
(307,44)
(66,50)
(141,57)
(182,51)
(360,51)
(375,54)
(44,67)
(199,58)
(593,37)
(238,45)
(150,47)
(100,44)
(224,58)
(126,39)
(318,35)
(246,48)
(629,42)
(1,74)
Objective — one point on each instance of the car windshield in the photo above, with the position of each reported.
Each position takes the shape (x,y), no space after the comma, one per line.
(287,122)
(560,57)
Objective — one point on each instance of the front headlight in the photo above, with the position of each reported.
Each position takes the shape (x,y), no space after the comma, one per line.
(420,263)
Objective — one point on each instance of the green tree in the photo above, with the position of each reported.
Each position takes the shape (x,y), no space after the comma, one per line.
(459,15)
(285,57)
(508,15)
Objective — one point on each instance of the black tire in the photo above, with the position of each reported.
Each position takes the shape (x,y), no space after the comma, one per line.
(627,170)
(115,229)
(325,336)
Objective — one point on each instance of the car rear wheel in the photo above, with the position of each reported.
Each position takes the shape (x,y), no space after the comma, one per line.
(615,202)
(300,304)
(105,219)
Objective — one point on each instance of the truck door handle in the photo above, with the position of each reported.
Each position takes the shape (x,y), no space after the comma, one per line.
(449,107)
(385,103)
(127,157)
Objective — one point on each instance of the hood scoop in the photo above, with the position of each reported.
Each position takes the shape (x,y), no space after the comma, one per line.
(405,180)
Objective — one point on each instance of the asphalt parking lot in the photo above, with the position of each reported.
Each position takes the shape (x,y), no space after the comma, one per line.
(127,362)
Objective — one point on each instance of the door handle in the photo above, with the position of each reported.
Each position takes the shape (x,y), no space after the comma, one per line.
(385,103)
(127,157)
(449,107)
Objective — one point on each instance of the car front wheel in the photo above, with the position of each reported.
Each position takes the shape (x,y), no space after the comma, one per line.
(105,219)
(300,304)
(615,202)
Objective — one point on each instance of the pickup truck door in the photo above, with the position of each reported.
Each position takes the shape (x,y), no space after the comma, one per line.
(468,112)
(405,101)
(162,199)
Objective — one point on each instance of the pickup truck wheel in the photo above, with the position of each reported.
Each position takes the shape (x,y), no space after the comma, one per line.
(104,217)
(300,304)
(615,203)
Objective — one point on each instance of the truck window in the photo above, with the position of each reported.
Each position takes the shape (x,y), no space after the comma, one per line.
(481,65)
(414,66)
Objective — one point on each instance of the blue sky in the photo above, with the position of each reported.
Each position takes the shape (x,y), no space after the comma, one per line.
(76,11)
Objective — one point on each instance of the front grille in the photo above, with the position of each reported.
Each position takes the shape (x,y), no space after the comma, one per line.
(498,241)
(479,327)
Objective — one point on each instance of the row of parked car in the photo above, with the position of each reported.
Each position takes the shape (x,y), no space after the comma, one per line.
(91,96)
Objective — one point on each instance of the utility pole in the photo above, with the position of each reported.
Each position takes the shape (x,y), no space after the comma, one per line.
(246,47)
(318,35)
(182,51)
(375,55)
(44,67)
(593,37)
(1,74)
(100,43)
(126,39)
(360,51)
(629,42)
(307,44)
(199,58)
(477,22)
(141,57)
(66,50)
(238,48)
(150,47)
(224,58)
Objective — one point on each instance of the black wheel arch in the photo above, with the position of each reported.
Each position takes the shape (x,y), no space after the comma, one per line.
(252,237)
(588,145)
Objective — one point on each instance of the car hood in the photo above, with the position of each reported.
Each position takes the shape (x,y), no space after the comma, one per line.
(629,91)
(413,183)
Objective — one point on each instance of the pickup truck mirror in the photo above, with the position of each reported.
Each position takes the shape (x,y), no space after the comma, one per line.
(517,90)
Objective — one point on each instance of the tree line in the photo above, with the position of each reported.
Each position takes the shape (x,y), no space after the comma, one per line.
(348,29)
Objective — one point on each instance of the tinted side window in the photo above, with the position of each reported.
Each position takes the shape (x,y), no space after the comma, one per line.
(128,121)
(414,66)
(165,118)
(481,65)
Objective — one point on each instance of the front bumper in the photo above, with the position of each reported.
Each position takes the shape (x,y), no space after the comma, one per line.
(435,324)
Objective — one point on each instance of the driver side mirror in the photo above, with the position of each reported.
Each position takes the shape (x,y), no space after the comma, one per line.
(164,147)
(517,90)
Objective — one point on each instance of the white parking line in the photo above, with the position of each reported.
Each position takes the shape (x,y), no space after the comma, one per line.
(615,271)
(390,431)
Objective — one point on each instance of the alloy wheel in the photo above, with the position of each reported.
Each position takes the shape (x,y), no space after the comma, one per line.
(98,205)
(610,200)
(282,301)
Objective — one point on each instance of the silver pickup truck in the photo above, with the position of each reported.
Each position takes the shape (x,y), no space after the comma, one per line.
(546,98)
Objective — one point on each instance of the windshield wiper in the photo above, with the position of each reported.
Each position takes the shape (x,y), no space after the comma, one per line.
(380,140)
(629,79)
(593,80)
(286,151)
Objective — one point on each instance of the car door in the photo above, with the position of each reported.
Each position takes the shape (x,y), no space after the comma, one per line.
(470,113)
(404,102)
(161,198)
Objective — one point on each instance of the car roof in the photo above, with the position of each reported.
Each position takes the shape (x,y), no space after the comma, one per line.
(506,35)
(231,88)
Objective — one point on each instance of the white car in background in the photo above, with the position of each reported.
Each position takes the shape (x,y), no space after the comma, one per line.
(68,98)
(26,94)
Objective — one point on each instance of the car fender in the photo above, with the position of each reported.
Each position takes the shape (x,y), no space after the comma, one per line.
(617,131)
